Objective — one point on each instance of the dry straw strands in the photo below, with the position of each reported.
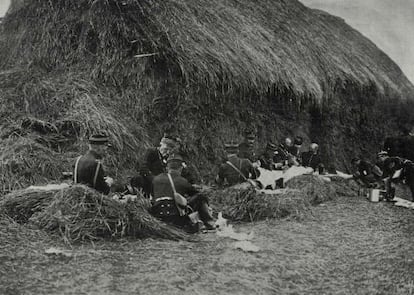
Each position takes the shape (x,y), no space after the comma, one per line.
(79,213)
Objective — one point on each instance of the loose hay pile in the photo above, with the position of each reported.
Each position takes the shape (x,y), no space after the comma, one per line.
(302,192)
(79,213)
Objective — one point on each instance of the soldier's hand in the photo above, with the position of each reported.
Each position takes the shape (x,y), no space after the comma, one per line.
(256,164)
(109,180)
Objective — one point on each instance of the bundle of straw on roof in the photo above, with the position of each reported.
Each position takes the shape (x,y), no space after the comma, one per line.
(79,213)
(24,161)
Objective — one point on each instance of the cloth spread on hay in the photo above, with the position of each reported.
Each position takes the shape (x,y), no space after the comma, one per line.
(268,178)
(49,187)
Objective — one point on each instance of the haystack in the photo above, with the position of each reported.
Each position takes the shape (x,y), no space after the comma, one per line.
(207,68)
(78,213)
(295,201)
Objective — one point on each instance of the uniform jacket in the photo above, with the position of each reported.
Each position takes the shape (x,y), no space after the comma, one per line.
(282,154)
(231,176)
(246,151)
(366,168)
(162,186)
(154,164)
(310,159)
(266,162)
(88,168)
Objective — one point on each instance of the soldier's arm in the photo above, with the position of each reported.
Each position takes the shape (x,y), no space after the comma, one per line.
(146,163)
(100,184)
(254,172)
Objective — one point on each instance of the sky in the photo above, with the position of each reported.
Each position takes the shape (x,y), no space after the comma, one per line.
(388,23)
(4,4)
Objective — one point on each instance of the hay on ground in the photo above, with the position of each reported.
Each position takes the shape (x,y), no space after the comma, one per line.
(251,205)
(79,213)
(302,193)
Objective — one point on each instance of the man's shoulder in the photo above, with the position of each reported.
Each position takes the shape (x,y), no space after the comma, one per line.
(161,176)
(88,157)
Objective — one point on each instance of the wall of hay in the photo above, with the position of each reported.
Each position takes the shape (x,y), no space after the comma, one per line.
(68,69)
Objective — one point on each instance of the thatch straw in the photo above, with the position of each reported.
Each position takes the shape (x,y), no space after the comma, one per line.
(133,67)
(296,201)
(79,213)
(250,205)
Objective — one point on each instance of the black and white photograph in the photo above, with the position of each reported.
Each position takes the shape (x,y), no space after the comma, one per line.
(194,147)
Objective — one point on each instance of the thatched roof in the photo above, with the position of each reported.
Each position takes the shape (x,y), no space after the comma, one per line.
(252,45)
(209,69)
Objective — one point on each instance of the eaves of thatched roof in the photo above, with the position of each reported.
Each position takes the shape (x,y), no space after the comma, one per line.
(252,45)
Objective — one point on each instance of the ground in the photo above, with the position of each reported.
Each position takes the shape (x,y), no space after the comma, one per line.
(347,246)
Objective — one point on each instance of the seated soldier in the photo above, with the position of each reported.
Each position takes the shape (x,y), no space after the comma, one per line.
(164,205)
(295,158)
(155,162)
(312,159)
(366,173)
(89,168)
(282,155)
(246,148)
(391,166)
(236,170)
(266,159)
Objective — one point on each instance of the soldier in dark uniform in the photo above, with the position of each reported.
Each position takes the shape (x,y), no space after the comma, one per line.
(312,158)
(282,156)
(89,169)
(295,151)
(390,165)
(155,162)
(266,160)
(164,206)
(246,148)
(236,170)
(366,173)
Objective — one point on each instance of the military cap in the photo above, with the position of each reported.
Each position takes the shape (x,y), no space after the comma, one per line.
(175,161)
(298,140)
(382,153)
(271,147)
(249,134)
(99,139)
(231,147)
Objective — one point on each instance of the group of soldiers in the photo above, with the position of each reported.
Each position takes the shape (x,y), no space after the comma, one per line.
(382,174)
(167,179)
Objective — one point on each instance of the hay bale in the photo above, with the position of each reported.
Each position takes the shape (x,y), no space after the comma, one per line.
(302,193)
(315,189)
(78,213)
(251,205)
(20,205)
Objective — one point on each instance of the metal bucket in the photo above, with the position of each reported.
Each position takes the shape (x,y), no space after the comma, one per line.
(374,195)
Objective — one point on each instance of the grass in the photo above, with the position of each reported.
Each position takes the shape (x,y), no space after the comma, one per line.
(348,246)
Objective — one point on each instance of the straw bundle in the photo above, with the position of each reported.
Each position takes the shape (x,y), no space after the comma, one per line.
(250,205)
(301,194)
(22,204)
(79,213)
(315,189)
